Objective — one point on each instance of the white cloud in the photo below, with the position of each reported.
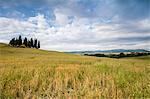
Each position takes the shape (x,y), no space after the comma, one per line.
(61,18)
(144,24)
(39,21)
(14,26)
(81,34)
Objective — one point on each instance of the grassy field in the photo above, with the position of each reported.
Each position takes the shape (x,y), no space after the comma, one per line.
(31,73)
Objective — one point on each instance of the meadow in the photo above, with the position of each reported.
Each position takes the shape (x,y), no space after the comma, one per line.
(33,73)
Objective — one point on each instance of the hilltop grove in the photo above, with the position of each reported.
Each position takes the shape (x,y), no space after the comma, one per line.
(19,42)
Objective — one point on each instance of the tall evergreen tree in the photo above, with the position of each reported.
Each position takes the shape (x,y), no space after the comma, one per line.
(13,42)
(20,40)
(38,44)
(35,43)
(32,43)
(25,42)
(29,44)
(17,42)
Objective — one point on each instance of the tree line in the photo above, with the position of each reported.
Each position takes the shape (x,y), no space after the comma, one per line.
(120,55)
(19,42)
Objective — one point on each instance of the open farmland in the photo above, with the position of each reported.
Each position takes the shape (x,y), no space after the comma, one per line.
(32,73)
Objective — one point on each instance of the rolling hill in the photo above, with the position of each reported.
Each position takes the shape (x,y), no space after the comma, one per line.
(34,73)
(110,51)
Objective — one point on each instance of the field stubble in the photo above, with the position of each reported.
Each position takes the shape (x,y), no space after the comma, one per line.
(31,73)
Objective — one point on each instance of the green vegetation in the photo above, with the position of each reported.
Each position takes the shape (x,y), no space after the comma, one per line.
(120,55)
(34,73)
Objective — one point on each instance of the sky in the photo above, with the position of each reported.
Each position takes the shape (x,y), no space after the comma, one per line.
(75,25)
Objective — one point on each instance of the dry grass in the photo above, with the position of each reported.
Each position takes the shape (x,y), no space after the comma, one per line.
(31,73)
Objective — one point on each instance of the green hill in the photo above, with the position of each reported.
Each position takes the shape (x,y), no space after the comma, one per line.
(35,73)
(33,57)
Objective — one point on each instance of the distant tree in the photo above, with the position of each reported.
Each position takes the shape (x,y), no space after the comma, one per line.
(121,55)
(20,41)
(29,44)
(25,42)
(16,42)
(132,54)
(38,44)
(32,43)
(12,41)
(35,43)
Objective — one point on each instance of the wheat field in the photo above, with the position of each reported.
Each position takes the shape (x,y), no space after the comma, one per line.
(32,74)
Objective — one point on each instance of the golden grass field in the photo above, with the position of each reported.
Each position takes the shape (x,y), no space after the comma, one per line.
(32,74)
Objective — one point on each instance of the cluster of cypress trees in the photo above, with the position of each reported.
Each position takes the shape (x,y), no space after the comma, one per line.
(30,43)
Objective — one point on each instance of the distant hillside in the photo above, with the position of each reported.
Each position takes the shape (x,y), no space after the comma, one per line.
(111,51)
(40,56)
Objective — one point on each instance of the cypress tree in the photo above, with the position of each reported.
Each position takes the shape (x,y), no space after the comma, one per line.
(25,42)
(32,43)
(17,42)
(35,43)
(20,40)
(13,42)
(29,44)
(38,44)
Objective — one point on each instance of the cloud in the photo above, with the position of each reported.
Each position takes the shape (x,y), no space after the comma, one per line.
(75,36)
(77,24)
(39,21)
(61,18)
